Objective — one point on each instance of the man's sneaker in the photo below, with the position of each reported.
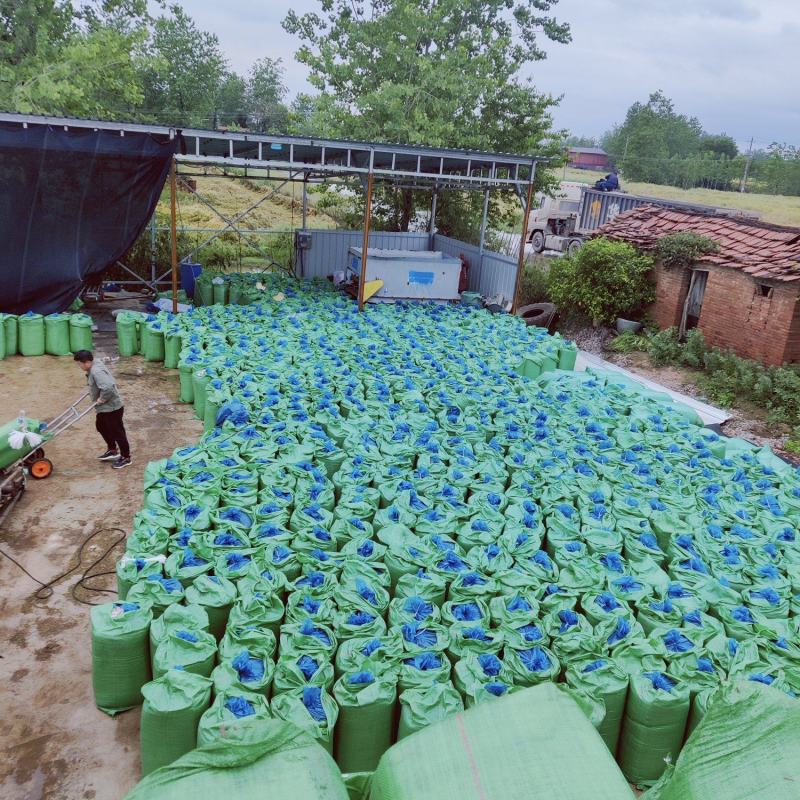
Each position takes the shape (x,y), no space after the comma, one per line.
(121,463)
(109,455)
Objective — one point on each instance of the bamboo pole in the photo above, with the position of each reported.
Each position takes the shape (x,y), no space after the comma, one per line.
(521,260)
(364,248)
(173,190)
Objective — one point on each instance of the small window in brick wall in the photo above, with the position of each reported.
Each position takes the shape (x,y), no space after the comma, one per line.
(763,290)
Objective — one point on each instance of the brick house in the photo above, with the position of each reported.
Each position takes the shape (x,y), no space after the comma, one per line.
(745,297)
(588,158)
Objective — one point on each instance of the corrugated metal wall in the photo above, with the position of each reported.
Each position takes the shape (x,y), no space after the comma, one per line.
(601,207)
(493,274)
(328,251)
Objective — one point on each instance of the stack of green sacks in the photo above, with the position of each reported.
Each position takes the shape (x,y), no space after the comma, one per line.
(384,519)
(32,334)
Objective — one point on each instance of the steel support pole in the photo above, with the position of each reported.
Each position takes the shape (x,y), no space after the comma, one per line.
(365,246)
(153,247)
(174,230)
(522,240)
(483,220)
(433,211)
(305,200)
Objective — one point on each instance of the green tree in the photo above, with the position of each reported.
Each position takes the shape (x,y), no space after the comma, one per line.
(231,103)
(652,133)
(184,71)
(265,93)
(439,72)
(603,280)
(52,61)
(720,145)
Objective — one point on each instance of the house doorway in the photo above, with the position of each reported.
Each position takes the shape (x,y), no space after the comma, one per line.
(694,301)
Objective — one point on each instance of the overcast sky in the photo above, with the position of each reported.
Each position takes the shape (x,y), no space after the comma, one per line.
(735,64)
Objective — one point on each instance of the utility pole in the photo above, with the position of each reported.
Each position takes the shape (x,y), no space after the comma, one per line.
(743,182)
(625,152)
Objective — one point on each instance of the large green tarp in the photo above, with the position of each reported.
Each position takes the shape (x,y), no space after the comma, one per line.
(534,743)
(747,747)
(279,762)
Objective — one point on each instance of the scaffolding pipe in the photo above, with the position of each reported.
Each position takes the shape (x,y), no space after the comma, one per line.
(365,247)
(305,199)
(174,226)
(483,221)
(522,240)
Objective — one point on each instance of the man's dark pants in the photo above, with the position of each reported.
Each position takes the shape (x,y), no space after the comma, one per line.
(109,426)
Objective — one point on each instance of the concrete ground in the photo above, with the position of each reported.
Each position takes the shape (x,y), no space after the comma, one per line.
(54,743)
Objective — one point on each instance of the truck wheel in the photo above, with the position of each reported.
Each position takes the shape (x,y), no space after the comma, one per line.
(573,245)
(537,241)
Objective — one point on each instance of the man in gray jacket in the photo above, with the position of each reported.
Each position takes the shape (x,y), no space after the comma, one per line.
(108,407)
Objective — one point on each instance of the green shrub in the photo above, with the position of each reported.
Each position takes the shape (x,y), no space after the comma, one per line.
(630,342)
(603,280)
(664,348)
(534,285)
(695,349)
(793,442)
(679,250)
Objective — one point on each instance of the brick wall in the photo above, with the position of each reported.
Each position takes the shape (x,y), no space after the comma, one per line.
(735,314)
(671,288)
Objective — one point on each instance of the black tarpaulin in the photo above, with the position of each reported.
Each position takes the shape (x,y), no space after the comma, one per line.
(71,203)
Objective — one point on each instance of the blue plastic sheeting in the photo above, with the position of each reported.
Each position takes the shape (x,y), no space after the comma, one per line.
(72,202)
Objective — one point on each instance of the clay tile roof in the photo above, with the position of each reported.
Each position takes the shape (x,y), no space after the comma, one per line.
(758,248)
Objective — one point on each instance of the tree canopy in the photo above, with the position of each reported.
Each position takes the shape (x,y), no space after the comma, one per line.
(440,72)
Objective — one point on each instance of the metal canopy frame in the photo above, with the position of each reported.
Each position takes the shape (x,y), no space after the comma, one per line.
(311,160)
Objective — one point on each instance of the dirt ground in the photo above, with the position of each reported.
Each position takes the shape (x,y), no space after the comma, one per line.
(54,743)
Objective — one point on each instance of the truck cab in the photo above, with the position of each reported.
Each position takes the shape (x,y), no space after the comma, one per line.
(553,223)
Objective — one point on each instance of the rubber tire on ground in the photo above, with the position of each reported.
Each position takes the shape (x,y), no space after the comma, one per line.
(573,245)
(537,241)
(41,468)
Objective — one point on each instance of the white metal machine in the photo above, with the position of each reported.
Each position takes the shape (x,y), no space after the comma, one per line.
(409,274)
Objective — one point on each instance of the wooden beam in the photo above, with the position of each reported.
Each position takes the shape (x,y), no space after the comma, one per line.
(174,231)
(365,246)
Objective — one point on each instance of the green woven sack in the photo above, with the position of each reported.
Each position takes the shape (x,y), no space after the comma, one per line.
(246,671)
(602,678)
(80,332)
(56,328)
(11,333)
(185,372)
(192,651)
(172,349)
(3,352)
(523,745)
(425,705)
(366,719)
(653,727)
(32,334)
(126,334)
(158,592)
(275,759)
(428,585)
(266,612)
(133,568)
(230,711)
(423,669)
(120,654)
(312,709)
(173,705)
(217,596)
(247,637)
(302,670)
(385,651)
(175,618)
(153,341)
(747,747)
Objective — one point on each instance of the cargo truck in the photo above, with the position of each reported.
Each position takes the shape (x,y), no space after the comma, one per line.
(564,222)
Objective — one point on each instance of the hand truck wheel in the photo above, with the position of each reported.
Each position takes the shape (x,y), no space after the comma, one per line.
(41,468)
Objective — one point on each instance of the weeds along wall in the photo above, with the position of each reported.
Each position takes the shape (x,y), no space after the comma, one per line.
(396,514)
